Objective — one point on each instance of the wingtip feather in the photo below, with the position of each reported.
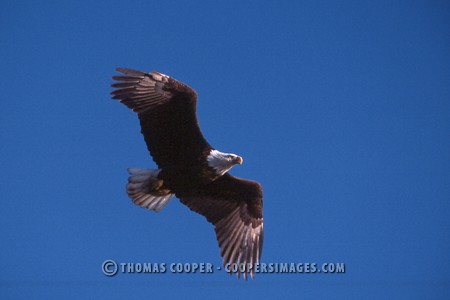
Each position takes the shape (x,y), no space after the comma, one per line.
(129,71)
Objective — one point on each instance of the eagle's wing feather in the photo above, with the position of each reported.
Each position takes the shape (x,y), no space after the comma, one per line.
(167,112)
(234,206)
(140,91)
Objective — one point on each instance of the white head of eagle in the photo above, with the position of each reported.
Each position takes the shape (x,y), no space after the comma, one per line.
(189,168)
(222,162)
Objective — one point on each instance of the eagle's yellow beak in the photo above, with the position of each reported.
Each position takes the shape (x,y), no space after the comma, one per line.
(239,160)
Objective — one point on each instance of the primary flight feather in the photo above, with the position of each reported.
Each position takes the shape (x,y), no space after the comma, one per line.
(189,168)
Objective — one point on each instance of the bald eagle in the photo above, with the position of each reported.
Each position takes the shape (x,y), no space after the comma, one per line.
(189,168)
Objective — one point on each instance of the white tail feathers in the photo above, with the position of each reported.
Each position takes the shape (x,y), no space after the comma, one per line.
(144,188)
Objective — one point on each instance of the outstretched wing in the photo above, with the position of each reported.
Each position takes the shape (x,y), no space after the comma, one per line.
(167,113)
(235,207)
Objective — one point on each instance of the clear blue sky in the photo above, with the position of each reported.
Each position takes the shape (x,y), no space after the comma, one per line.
(341,109)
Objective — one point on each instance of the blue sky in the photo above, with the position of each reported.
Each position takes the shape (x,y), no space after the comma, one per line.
(340,109)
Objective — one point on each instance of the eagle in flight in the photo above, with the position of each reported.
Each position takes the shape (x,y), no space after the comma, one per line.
(189,168)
